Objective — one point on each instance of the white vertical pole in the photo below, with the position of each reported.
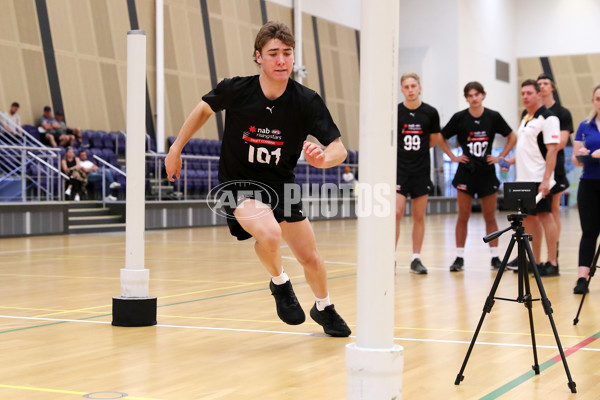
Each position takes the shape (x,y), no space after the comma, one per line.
(374,362)
(134,278)
(160,77)
(299,69)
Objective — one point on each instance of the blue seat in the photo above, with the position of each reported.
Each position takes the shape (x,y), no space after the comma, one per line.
(109,140)
(32,130)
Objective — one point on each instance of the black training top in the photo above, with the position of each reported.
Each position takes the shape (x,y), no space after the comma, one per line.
(476,135)
(263,138)
(414,129)
(566,124)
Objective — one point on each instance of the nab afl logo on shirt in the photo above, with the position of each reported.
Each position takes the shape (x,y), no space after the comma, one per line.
(276,132)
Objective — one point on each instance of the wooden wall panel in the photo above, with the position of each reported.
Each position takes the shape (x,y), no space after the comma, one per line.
(73,89)
(27,22)
(37,83)
(94,100)
(84,37)
(13,81)
(310,55)
(8,23)
(115,105)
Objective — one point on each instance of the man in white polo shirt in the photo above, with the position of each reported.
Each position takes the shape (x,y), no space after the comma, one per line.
(535,153)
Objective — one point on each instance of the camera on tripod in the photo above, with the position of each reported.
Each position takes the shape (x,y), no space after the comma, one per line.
(520,196)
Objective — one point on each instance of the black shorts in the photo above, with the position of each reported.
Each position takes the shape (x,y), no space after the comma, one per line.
(544,205)
(285,203)
(474,183)
(415,186)
(562,184)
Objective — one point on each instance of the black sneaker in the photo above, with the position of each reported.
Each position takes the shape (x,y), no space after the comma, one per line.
(548,269)
(417,267)
(496,263)
(288,308)
(330,320)
(513,264)
(540,267)
(581,286)
(457,265)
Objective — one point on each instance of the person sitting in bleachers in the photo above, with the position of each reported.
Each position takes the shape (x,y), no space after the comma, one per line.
(94,175)
(63,129)
(70,165)
(14,117)
(49,127)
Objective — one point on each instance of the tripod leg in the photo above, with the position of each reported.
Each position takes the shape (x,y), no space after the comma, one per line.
(548,310)
(487,307)
(526,297)
(587,285)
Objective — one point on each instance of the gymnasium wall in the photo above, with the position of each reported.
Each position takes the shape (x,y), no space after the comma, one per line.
(72,55)
(575,77)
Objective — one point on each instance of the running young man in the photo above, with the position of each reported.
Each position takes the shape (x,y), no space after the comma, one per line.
(476,128)
(418,130)
(268,118)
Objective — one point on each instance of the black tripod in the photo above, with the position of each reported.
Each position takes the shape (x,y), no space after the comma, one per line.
(524,295)
(587,284)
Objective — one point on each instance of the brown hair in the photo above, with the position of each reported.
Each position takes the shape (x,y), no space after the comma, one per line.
(531,82)
(273,30)
(410,75)
(473,85)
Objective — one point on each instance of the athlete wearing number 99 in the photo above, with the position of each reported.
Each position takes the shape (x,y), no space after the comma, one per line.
(418,130)
(268,118)
(475,128)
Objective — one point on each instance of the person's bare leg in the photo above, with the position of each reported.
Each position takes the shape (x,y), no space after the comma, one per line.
(488,209)
(261,224)
(419,207)
(400,204)
(550,231)
(534,228)
(464,203)
(301,239)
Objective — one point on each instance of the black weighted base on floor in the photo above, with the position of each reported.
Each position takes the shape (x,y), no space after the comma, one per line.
(134,311)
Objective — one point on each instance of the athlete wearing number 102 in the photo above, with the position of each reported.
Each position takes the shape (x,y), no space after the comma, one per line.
(475,128)
(268,118)
(418,130)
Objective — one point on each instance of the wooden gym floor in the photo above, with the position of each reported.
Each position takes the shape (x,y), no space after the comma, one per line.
(218,336)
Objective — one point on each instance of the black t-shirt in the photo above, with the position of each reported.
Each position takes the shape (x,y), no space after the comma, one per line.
(566,124)
(263,138)
(476,135)
(414,130)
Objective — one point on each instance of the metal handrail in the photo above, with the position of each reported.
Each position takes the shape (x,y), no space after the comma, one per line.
(48,165)
(104,162)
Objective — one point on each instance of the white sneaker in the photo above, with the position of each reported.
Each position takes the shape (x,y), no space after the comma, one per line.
(77,197)
(110,198)
(68,191)
(114,185)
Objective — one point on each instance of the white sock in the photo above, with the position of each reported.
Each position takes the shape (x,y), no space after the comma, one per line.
(494,251)
(281,279)
(460,252)
(415,256)
(322,303)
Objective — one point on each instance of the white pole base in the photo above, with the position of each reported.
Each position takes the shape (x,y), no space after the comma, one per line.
(135,282)
(374,374)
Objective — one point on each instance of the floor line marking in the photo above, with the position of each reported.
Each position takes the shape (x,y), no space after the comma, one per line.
(502,390)
(210,328)
(36,389)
